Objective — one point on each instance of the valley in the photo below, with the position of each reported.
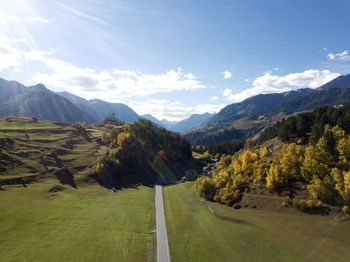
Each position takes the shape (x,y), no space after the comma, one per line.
(251,190)
(174,131)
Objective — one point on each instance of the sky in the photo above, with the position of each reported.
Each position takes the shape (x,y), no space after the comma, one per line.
(174,58)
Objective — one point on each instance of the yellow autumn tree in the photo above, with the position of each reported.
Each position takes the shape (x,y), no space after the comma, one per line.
(322,152)
(248,158)
(347,187)
(273,178)
(343,148)
(289,162)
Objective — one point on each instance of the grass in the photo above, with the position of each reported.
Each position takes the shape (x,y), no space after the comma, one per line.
(87,224)
(15,123)
(42,147)
(315,237)
(195,234)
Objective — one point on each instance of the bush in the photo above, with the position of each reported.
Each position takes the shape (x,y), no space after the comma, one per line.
(205,187)
(305,205)
(345,209)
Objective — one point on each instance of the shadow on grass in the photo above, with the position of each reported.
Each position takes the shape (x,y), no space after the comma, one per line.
(65,177)
(321,210)
(119,183)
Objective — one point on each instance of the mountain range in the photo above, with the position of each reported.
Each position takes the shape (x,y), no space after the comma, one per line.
(37,100)
(252,115)
(235,121)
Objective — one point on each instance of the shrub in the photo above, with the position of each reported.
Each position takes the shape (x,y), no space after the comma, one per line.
(205,187)
(305,205)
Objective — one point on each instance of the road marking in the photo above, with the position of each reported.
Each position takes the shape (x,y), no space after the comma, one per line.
(163,254)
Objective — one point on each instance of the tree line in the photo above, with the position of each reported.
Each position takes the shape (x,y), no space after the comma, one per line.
(309,125)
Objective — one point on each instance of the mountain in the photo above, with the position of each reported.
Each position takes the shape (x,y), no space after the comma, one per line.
(168,124)
(194,121)
(262,110)
(153,120)
(17,99)
(256,106)
(340,81)
(123,112)
(100,109)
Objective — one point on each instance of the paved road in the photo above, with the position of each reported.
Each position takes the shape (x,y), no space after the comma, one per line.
(163,254)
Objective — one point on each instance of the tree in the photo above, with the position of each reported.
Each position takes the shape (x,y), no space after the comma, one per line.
(310,167)
(290,166)
(322,152)
(343,148)
(322,189)
(248,158)
(347,187)
(338,178)
(273,179)
(205,187)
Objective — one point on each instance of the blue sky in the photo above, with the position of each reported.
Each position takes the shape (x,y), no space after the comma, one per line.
(174,58)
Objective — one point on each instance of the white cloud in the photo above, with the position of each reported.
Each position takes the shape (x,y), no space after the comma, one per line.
(227,74)
(269,83)
(10,56)
(214,98)
(246,80)
(227,92)
(343,56)
(90,83)
(171,110)
(116,84)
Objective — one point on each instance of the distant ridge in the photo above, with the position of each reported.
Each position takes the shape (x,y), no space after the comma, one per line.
(37,100)
(193,121)
(17,99)
(227,124)
(100,109)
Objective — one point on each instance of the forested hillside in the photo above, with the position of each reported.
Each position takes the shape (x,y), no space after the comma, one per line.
(142,153)
(310,167)
(309,125)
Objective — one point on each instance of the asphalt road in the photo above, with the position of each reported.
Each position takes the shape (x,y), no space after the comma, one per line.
(163,254)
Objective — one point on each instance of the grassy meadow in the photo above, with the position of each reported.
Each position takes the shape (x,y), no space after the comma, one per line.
(38,149)
(85,224)
(195,234)
(314,237)
(82,221)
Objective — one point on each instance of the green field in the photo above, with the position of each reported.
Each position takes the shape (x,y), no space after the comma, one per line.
(315,237)
(85,224)
(195,234)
